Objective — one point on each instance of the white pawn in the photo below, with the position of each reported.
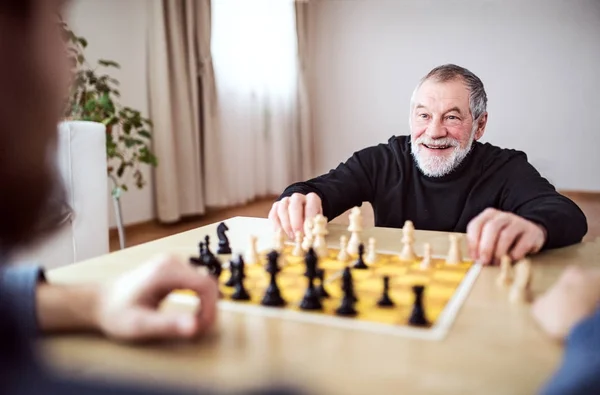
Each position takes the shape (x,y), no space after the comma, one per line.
(252,252)
(505,277)
(426,262)
(319,231)
(279,240)
(371,253)
(408,253)
(454,254)
(355,228)
(298,250)
(308,236)
(520,291)
(343,254)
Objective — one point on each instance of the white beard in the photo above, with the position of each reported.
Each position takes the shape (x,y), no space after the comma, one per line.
(438,166)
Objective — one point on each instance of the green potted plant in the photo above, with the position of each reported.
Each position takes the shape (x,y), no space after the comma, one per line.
(94,97)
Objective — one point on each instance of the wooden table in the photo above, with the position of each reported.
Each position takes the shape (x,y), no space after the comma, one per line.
(493,347)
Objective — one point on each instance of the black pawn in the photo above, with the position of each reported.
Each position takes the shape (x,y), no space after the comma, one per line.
(321,291)
(360,263)
(349,299)
(385,300)
(207,250)
(224,247)
(272,295)
(417,316)
(232,269)
(199,260)
(311,299)
(240,292)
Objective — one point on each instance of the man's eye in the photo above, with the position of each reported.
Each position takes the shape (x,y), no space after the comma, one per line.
(423,116)
(452,117)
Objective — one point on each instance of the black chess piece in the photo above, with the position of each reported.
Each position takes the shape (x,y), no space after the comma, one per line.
(349,299)
(417,316)
(321,291)
(224,247)
(199,260)
(207,250)
(360,263)
(311,299)
(385,300)
(272,295)
(240,292)
(213,264)
(232,269)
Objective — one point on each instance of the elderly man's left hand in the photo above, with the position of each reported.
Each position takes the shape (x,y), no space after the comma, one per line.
(495,233)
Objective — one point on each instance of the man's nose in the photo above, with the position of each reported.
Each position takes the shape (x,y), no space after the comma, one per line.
(436,130)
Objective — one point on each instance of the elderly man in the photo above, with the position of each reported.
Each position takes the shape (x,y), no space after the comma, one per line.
(441,178)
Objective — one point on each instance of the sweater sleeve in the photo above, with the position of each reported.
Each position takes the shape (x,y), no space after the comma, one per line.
(19,283)
(579,371)
(532,197)
(348,185)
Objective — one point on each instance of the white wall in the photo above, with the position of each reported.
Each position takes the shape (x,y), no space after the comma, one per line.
(116,30)
(539,61)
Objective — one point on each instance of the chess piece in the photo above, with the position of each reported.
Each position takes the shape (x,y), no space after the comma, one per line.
(505,277)
(454,254)
(417,315)
(347,306)
(298,250)
(307,242)
(343,254)
(279,241)
(224,247)
(355,227)
(199,260)
(385,300)
(240,291)
(311,299)
(360,263)
(252,252)
(426,262)
(371,254)
(272,295)
(321,291)
(319,231)
(408,253)
(231,281)
(520,291)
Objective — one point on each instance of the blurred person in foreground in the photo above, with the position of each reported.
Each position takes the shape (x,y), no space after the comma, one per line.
(33,77)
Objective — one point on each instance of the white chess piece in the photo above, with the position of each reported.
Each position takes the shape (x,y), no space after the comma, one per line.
(454,253)
(298,250)
(320,231)
(371,253)
(279,241)
(252,252)
(343,254)
(426,262)
(408,253)
(505,277)
(355,227)
(520,291)
(308,236)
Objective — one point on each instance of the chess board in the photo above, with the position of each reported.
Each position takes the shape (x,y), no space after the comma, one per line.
(446,287)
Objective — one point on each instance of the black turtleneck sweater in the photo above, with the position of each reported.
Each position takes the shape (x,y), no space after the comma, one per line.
(387,176)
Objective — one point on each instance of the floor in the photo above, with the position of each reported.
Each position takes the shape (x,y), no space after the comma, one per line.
(141,233)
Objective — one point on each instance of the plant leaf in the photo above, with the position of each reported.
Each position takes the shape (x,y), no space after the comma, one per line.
(83,42)
(109,63)
(145,133)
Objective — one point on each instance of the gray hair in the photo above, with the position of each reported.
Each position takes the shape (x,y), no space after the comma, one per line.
(449,72)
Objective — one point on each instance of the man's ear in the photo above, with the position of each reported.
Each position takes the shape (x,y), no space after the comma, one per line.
(481,125)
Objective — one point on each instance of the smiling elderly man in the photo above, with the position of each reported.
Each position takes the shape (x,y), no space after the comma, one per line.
(441,178)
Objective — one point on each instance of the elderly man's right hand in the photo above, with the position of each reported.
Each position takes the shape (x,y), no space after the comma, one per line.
(289,213)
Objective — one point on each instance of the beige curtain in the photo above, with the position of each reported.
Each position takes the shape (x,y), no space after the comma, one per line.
(182,99)
(305,159)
